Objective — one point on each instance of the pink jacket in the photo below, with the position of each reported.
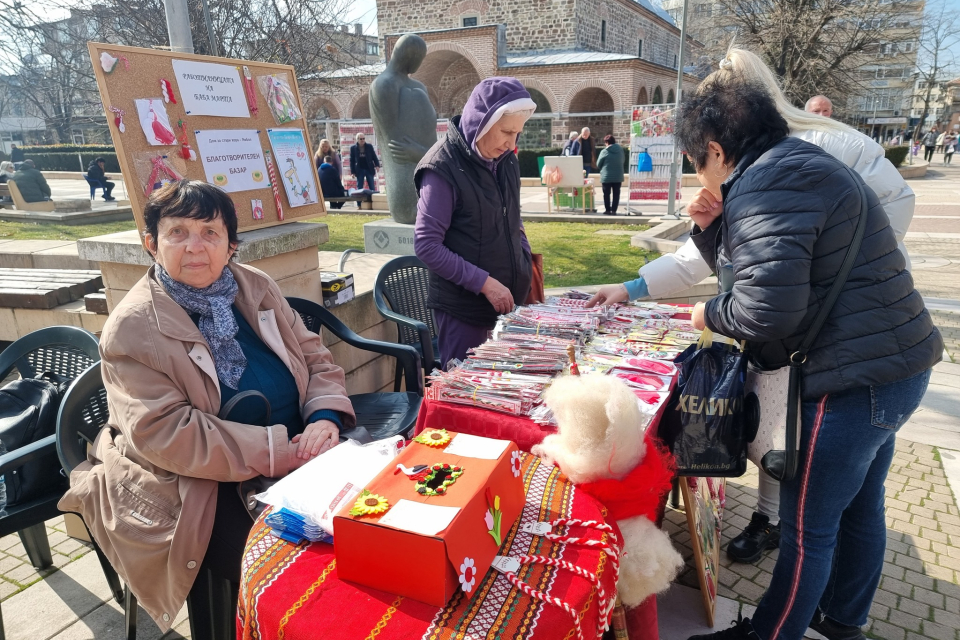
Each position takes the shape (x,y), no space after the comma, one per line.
(148,490)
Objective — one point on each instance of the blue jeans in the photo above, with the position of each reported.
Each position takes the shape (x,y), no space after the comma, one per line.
(833,532)
(370,176)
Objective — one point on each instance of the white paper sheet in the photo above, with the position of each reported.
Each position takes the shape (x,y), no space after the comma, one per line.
(210,89)
(417,517)
(464,444)
(233,159)
(154,122)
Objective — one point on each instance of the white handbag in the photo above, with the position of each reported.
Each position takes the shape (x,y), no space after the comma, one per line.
(771,389)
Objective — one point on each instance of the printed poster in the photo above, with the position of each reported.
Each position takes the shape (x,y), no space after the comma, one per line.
(209,89)
(233,159)
(154,122)
(294,165)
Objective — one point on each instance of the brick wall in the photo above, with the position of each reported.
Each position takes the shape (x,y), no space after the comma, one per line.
(627,23)
(532,25)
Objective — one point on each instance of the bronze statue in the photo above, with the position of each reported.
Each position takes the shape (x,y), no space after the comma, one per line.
(405,123)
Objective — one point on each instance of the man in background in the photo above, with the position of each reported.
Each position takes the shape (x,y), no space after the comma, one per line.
(819,105)
(96,172)
(31,183)
(364,163)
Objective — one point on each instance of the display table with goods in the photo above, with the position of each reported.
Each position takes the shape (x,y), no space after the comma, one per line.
(463,533)
(496,392)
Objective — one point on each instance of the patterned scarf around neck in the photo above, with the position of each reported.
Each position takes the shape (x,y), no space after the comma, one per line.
(217,323)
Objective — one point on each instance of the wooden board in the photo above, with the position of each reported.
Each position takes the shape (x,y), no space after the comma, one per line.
(138,76)
(45,288)
(703,500)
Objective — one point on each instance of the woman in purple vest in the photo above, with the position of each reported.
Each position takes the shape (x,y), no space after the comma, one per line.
(468,230)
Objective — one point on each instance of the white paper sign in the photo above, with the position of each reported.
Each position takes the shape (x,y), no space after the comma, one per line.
(209,89)
(470,446)
(233,159)
(417,517)
(295,166)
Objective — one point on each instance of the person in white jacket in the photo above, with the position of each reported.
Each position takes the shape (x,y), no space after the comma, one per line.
(672,273)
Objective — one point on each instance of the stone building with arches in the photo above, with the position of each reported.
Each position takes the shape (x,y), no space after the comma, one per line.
(585,62)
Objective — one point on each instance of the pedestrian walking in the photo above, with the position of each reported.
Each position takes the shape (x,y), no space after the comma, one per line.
(940,140)
(929,142)
(610,163)
(949,147)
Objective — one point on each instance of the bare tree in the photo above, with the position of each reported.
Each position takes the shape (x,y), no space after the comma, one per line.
(44,45)
(935,60)
(814,46)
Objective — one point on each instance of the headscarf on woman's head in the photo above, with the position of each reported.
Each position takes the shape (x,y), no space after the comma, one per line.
(492,99)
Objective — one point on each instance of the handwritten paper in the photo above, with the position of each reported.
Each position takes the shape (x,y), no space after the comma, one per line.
(233,159)
(209,89)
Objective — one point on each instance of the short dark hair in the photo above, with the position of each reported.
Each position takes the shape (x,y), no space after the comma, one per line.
(738,115)
(99,160)
(30,163)
(328,159)
(609,139)
(192,199)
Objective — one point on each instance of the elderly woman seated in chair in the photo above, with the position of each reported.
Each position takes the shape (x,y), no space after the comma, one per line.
(160,490)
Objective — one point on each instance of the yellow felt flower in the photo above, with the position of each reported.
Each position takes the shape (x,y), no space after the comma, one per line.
(433,437)
(368,504)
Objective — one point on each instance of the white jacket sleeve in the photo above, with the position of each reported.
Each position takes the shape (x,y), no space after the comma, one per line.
(867,158)
(674,272)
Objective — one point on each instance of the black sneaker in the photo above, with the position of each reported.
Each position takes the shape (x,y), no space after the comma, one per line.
(741,630)
(833,630)
(759,536)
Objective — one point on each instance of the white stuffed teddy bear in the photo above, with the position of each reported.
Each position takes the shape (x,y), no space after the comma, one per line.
(601,439)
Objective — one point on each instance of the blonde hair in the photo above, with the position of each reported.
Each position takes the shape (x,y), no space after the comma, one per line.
(320,152)
(749,67)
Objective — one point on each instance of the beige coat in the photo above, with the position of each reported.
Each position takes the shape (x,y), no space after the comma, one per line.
(148,490)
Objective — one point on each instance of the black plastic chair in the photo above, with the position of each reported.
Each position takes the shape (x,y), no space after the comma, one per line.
(66,351)
(400,294)
(83,413)
(383,415)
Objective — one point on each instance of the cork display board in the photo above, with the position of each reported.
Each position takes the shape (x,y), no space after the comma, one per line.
(233,123)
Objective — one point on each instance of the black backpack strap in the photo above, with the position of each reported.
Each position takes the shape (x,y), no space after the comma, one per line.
(800,355)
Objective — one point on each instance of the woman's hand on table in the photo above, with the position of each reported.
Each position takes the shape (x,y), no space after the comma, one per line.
(317,438)
(696,316)
(704,208)
(609,294)
(498,295)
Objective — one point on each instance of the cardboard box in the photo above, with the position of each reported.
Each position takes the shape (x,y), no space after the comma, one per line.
(427,566)
(337,288)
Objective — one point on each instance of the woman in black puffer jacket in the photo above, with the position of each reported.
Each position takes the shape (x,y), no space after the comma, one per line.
(780,213)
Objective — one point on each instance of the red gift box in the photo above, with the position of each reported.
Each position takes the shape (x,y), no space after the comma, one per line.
(430,568)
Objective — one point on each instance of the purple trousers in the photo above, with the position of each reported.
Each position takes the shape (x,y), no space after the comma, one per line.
(456,337)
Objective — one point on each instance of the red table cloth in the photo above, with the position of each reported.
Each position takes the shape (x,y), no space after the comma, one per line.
(641,620)
(292,592)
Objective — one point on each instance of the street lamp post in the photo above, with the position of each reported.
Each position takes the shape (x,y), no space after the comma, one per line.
(674,158)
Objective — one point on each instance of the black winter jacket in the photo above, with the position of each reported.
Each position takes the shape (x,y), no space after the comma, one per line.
(485,228)
(789,215)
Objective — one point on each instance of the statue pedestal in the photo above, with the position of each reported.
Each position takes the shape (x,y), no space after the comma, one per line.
(387,236)
(287,253)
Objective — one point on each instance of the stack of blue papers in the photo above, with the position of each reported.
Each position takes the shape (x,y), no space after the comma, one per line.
(293,527)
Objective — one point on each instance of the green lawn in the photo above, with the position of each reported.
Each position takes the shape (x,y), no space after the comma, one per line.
(573,253)
(36,231)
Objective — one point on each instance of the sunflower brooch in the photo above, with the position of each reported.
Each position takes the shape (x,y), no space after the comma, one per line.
(437,482)
(369,504)
(433,437)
